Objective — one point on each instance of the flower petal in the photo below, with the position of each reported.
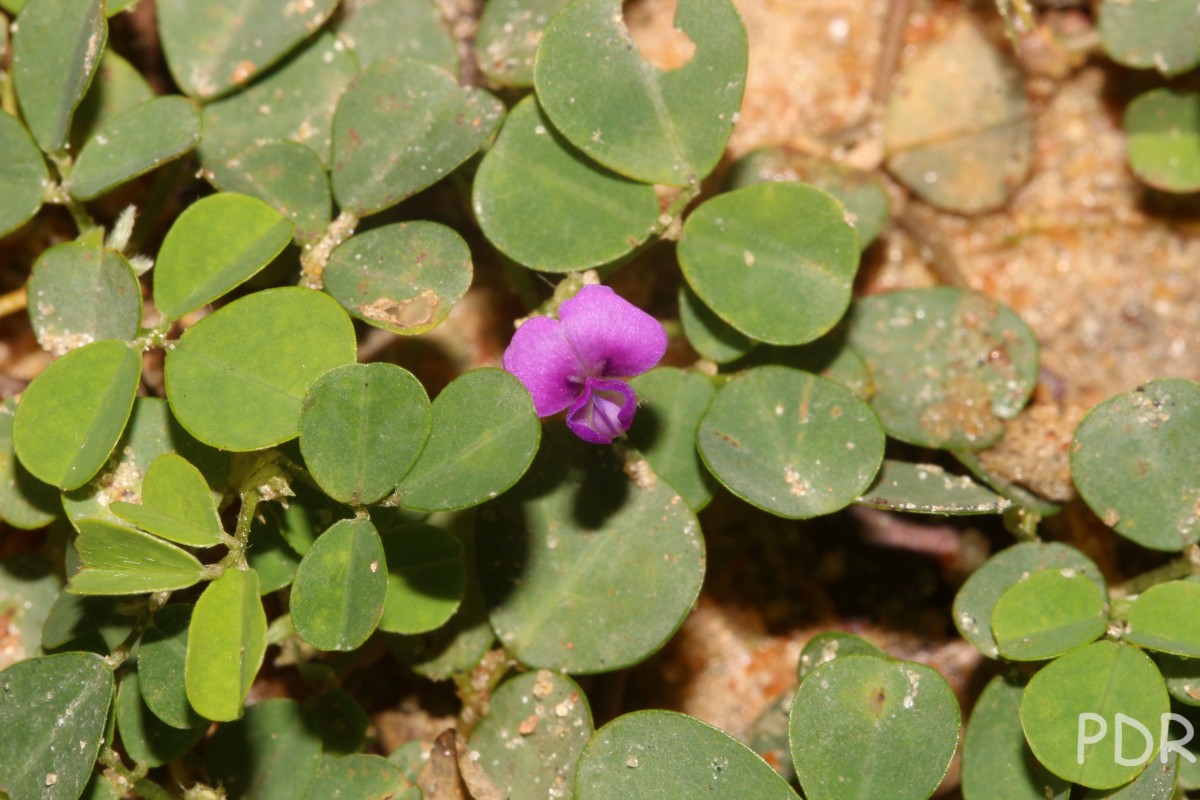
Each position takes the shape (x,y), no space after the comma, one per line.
(542,359)
(613,337)
(604,412)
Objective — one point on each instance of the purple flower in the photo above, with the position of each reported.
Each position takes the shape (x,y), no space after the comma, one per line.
(575,361)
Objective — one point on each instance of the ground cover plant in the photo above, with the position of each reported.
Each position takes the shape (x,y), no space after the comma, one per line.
(457,347)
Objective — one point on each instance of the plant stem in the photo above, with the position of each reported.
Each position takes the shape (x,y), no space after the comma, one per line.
(12,302)
(1185,566)
(315,257)
(59,195)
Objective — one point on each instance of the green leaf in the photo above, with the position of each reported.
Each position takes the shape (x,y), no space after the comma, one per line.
(23,174)
(1006,485)
(226,642)
(119,560)
(507,39)
(56,46)
(269,553)
(1146,34)
(308,514)
(1162,130)
(378,30)
(774,260)
(1046,613)
(176,504)
(548,716)
(362,427)
(402,126)
(212,48)
(1182,676)
(271,754)
(545,205)
(997,763)
(929,489)
(1163,618)
(162,664)
(364,777)
(117,88)
(1133,460)
(830,357)
(25,502)
(53,709)
(236,379)
(576,541)
(664,755)
(708,334)
(957,130)
(791,443)
(134,143)
(215,245)
(28,588)
(81,293)
(1157,782)
(338,595)
(862,193)
(975,601)
(145,738)
(1104,679)
(286,176)
(948,364)
(825,647)
(93,387)
(75,622)
(644,123)
(426,578)
(864,727)
(294,102)
(671,403)
(484,436)
(403,278)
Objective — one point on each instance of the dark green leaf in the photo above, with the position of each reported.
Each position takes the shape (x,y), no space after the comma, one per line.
(28,587)
(80,293)
(377,30)
(25,502)
(338,595)
(929,489)
(119,560)
(507,39)
(227,639)
(270,755)
(336,715)
(147,739)
(269,554)
(363,777)
(1148,34)
(825,647)
(285,175)
(708,334)
(22,173)
(162,663)
(426,578)
(117,88)
(671,404)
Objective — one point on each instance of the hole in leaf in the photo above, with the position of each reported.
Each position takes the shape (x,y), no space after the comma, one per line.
(651,25)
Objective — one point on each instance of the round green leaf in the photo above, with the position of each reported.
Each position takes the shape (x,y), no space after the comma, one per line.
(1046,613)
(708,334)
(791,443)
(292,103)
(948,364)
(271,754)
(929,489)
(1159,34)
(285,175)
(827,646)
(269,554)
(652,126)
(997,763)
(176,504)
(77,622)
(507,39)
(571,558)
(1158,781)
(402,126)
(671,403)
(957,129)
(974,604)
(1103,679)
(227,639)
(212,48)
(79,293)
(664,755)
(863,727)
(377,30)
(215,245)
(147,739)
(1163,134)
(119,560)
(362,427)
(338,595)
(25,502)
(830,357)
(236,379)
(426,578)
(56,47)
(1182,676)
(364,777)
(117,88)
(1164,618)
(22,173)
(404,278)
(28,588)
(336,715)
(484,436)
(162,659)
(548,716)
(134,143)
(545,205)
(862,193)
(308,514)
(53,709)
(774,260)
(1134,459)
(92,386)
